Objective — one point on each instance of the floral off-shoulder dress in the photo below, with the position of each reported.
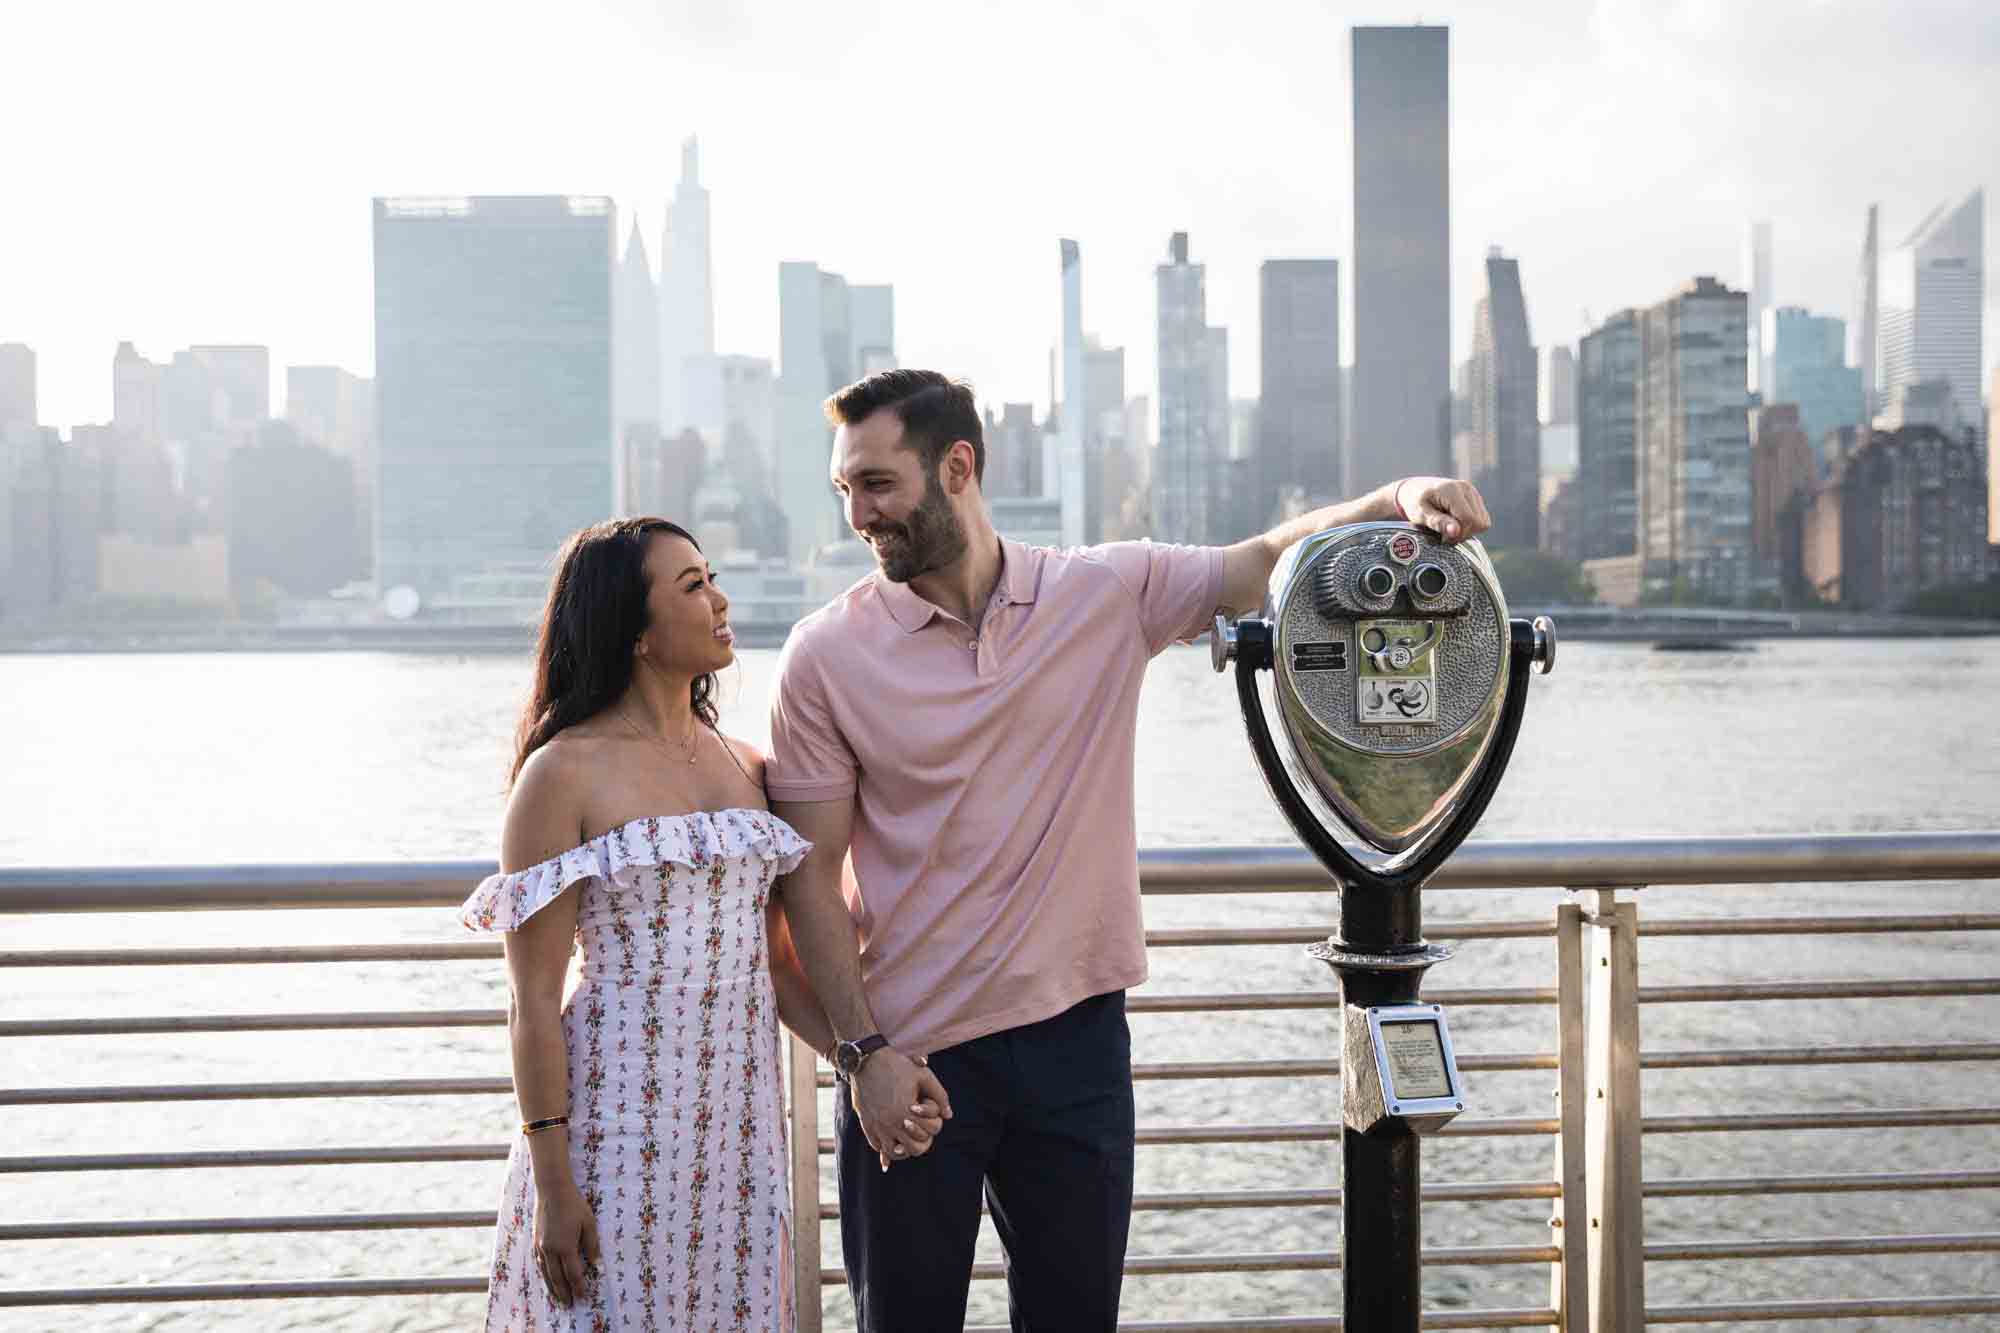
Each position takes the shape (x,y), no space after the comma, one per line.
(676,1133)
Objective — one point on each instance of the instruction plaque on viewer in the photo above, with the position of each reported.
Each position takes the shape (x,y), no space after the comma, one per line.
(1416,1060)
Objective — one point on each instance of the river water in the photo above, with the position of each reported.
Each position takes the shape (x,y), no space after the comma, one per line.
(179,759)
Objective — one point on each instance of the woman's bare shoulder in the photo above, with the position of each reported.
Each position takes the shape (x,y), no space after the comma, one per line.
(748,756)
(545,810)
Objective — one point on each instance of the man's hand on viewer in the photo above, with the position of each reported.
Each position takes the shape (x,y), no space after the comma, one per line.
(1451,508)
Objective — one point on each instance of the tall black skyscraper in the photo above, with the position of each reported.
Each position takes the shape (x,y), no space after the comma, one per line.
(1402,252)
(1299,440)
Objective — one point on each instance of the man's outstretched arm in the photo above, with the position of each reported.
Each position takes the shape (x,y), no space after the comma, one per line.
(1452,509)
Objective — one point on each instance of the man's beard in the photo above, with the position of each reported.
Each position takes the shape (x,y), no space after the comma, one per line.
(930,538)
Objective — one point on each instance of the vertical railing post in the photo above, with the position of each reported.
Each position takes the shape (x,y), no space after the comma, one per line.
(1569,1276)
(803,1116)
(1612,1123)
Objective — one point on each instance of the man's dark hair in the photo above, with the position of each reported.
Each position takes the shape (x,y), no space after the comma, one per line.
(935,411)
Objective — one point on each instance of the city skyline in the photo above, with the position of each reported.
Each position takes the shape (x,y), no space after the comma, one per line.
(1608,209)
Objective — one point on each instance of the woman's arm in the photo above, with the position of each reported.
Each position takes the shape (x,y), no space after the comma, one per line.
(798,1007)
(543,821)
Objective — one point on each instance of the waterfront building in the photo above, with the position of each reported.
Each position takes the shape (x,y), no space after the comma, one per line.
(1107,468)
(1402,253)
(687,298)
(1807,354)
(1757,275)
(1867,355)
(1906,512)
(1190,444)
(1561,512)
(1558,386)
(137,395)
(1607,438)
(1924,403)
(1071,406)
(1933,297)
(335,409)
(17,386)
(139,497)
(1298,441)
(1693,446)
(635,340)
(1504,453)
(1993,460)
(54,520)
(1782,469)
(291,522)
(830,333)
(493,366)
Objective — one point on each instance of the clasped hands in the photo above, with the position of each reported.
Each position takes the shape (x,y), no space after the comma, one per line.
(901,1104)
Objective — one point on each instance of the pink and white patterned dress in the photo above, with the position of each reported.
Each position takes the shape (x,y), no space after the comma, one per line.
(677,1132)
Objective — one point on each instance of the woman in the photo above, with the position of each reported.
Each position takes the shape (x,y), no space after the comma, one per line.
(648,1186)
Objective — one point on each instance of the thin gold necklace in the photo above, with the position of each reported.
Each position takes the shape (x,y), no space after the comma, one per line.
(694,736)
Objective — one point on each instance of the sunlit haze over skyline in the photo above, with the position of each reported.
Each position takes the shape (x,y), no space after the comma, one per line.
(201,172)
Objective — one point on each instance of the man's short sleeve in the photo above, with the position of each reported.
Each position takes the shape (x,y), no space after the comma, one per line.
(1176,587)
(810,760)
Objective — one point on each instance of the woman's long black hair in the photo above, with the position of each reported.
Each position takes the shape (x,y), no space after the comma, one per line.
(596,612)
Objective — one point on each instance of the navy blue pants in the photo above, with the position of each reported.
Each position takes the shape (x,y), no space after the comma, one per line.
(1042,1125)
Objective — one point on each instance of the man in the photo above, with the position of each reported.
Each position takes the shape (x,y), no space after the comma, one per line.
(962,723)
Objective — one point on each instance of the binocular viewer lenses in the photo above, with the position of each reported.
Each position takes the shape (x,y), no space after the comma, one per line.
(1427,581)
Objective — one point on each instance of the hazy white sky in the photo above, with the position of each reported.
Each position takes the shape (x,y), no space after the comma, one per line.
(200,172)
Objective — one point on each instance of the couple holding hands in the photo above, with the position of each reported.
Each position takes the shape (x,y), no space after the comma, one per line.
(932,879)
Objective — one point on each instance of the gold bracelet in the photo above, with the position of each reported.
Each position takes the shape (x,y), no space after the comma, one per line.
(537,1126)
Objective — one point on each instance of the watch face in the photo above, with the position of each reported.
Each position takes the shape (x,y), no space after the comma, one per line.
(846,1059)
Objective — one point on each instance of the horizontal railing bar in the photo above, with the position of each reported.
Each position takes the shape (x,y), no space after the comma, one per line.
(251,956)
(241,1226)
(1818,925)
(1896,1182)
(1247,1001)
(1224,1069)
(1471,1191)
(1655,862)
(242,1157)
(1819,990)
(1893,1307)
(232,1092)
(1442,1192)
(1944,1118)
(185,1023)
(1938,1052)
(1305,1324)
(1215,1069)
(1304,1261)
(1177,1136)
(160,1293)
(426,953)
(476,1284)
(1205,937)
(1819,1247)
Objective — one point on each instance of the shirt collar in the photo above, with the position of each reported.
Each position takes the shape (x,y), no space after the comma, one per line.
(1020,574)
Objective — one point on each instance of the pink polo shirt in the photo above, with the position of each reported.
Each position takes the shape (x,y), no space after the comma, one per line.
(995,853)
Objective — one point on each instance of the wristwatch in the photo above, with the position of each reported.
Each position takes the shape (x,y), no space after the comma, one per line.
(849,1056)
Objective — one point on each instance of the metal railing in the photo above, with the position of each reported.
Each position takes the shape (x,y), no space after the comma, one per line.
(1598,1253)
